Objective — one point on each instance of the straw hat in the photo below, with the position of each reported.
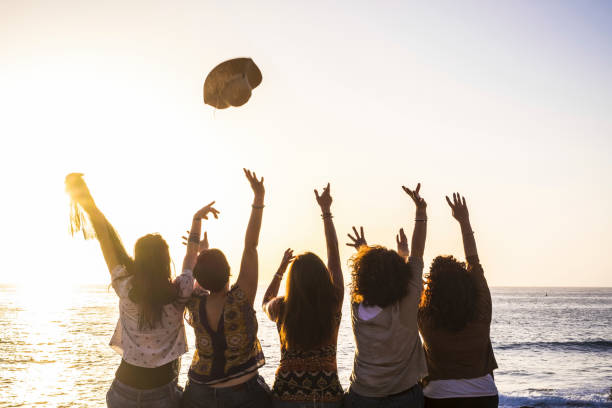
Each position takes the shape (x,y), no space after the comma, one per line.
(230,83)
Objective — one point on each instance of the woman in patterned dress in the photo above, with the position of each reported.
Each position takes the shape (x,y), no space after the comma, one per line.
(224,370)
(308,318)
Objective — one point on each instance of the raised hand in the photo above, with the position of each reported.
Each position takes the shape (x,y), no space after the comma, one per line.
(402,244)
(287,258)
(358,241)
(324,200)
(414,194)
(204,211)
(202,246)
(78,190)
(459,208)
(256,185)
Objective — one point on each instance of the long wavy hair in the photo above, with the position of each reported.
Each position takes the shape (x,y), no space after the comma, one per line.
(449,299)
(151,274)
(379,276)
(309,307)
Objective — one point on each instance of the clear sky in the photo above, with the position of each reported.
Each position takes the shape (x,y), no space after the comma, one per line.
(508,102)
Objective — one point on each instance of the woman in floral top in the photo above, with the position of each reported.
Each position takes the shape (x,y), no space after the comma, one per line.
(149,336)
(308,318)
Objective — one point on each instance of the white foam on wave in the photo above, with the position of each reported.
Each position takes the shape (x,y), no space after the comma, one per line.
(573,398)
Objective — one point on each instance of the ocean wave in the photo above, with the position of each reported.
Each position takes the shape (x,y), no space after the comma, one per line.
(593,345)
(550,402)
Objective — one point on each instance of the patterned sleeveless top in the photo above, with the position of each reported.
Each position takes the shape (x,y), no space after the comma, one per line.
(308,376)
(231,351)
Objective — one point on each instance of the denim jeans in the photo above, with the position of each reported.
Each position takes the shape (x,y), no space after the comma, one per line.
(313,404)
(120,395)
(411,398)
(253,393)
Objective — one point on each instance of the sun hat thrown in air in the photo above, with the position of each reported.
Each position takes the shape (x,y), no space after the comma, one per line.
(230,83)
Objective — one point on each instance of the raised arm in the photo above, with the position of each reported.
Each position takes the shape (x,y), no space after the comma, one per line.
(112,248)
(461,214)
(420,222)
(249,269)
(333,254)
(271,308)
(484,305)
(193,242)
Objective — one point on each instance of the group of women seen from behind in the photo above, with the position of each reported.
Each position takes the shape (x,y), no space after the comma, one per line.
(390,304)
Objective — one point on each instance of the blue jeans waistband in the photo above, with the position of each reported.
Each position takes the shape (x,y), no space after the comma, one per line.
(143,395)
(250,384)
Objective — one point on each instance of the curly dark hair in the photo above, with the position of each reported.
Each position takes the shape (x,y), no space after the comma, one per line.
(379,276)
(449,299)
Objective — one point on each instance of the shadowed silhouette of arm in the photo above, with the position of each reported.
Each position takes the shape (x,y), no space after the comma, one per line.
(249,266)
(333,254)
(193,241)
(269,303)
(420,222)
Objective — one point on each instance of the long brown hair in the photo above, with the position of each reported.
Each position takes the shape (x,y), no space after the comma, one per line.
(152,286)
(310,304)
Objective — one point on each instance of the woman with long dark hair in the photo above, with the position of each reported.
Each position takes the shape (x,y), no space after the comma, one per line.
(224,370)
(150,335)
(455,322)
(308,318)
(385,291)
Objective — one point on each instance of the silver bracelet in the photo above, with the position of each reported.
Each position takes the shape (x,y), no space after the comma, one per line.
(279,276)
(327,215)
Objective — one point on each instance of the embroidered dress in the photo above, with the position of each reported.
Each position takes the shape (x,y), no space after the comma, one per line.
(308,376)
(231,351)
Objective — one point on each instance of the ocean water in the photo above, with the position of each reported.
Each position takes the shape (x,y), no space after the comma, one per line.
(553,346)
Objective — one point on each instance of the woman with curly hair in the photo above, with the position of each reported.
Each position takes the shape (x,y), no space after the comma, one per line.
(455,322)
(386,287)
(308,319)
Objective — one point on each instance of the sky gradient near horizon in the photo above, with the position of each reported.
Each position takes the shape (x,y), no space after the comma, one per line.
(509,103)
